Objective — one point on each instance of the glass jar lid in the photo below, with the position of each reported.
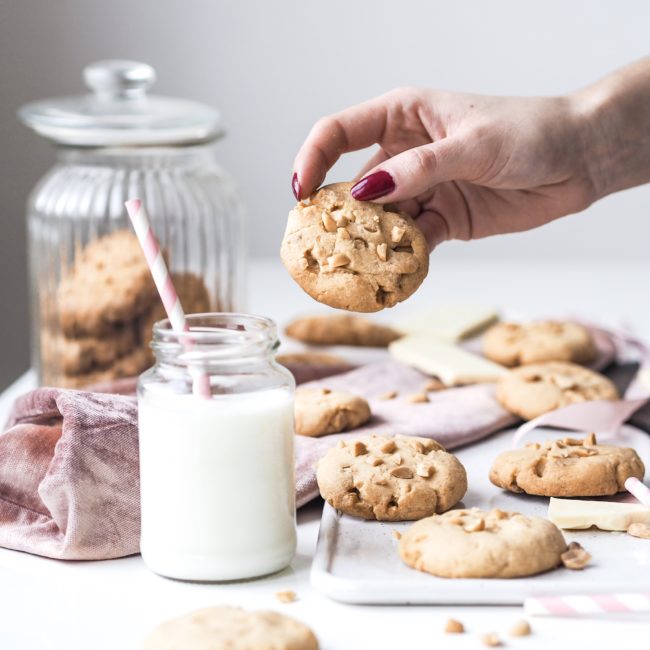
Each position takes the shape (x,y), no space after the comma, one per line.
(119,112)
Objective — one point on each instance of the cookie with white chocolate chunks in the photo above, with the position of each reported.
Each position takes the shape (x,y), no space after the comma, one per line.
(319,411)
(341,329)
(479,544)
(391,479)
(567,467)
(353,255)
(515,344)
(529,391)
(233,628)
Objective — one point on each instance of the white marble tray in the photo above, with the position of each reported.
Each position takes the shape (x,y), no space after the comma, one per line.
(356,561)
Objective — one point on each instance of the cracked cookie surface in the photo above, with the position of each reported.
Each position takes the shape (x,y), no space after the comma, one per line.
(391,479)
(482,544)
(567,467)
(514,344)
(341,329)
(353,255)
(529,391)
(319,411)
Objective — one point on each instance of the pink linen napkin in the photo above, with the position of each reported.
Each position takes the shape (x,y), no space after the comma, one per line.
(69,479)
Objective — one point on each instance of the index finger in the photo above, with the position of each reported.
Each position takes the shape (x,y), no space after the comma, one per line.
(354,128)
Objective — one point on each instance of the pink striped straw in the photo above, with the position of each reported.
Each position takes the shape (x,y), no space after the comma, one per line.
(165,285)
(580,605)
(639,490)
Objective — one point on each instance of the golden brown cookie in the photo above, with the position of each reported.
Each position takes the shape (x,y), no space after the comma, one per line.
(479,544)
(567,467)
(109,283)
(319,411)
(74,356)
(391,479)
(129,365)
(312,359)
(515,344)
(531,390)
(232,628)
(353,255)
(341,329)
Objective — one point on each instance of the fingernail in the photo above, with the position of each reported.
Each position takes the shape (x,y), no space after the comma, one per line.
(372,187)
(295,186)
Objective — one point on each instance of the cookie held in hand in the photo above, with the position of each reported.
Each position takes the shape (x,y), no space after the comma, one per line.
(567,467)
(353,255)
(479,544)
(515,344)
(319,411)
(530,391)
(391,479)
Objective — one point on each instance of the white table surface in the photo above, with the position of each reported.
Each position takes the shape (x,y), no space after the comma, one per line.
(47,604)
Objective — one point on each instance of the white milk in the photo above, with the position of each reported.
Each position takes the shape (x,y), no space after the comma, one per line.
(217,484)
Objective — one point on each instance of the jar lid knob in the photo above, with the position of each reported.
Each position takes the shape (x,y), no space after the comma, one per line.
(119,79)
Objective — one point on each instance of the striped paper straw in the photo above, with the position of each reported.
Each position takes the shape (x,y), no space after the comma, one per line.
(588,604)
(639,490)
(165,285)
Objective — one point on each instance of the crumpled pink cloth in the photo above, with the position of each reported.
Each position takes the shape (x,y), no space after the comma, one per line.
(69,476)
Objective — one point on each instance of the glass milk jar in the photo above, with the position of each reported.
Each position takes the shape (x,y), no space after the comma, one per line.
(92,310)
(217,469)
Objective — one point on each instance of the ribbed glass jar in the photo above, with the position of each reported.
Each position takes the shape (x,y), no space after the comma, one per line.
(196,215)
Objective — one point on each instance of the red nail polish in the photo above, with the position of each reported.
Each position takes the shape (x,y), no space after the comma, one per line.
(372,187)
(295,186)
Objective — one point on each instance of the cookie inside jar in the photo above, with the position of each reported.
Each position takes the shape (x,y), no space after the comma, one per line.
(97,326)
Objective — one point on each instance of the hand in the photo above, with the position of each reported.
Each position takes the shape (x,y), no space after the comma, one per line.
(465,166)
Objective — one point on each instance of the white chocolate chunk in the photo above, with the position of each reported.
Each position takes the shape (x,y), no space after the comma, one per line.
(452,365)
(451,323)
(606,515)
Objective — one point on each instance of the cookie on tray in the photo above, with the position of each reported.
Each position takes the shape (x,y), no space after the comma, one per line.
(567,467)
(319,411)
(341,329)
(529,391)
(353,255)
(109,283)
(482,544)
(233,628)
(515,344)
(391,479)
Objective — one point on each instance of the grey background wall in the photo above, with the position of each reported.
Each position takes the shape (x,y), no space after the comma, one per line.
(274,67)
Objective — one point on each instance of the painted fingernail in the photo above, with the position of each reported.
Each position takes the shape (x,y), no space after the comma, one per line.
(372,187)
(295,186)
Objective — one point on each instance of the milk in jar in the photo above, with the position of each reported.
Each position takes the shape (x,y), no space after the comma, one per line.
(217,471)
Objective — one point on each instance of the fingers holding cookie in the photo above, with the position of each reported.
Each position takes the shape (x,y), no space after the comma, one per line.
(353,255)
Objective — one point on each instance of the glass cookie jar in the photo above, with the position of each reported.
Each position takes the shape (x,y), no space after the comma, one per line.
(92,301)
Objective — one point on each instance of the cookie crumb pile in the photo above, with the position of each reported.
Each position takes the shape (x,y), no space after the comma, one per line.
(353,255)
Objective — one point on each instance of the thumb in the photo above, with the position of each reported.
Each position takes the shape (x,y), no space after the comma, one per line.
(414,171)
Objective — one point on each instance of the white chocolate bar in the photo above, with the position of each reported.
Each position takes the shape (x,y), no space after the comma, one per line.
(451,323)
(451,364)
(606,515)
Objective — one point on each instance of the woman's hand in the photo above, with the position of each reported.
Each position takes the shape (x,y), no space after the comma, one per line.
(465,166)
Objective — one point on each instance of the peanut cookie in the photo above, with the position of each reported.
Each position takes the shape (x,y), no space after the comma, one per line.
(312,359)
(352,254)
(341,329)
(79,355)
(531,390)
(479,544)
(109,283)
(567,467)
(129,365)
(391,479)
(233,628)
(319,411)
(514,344)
